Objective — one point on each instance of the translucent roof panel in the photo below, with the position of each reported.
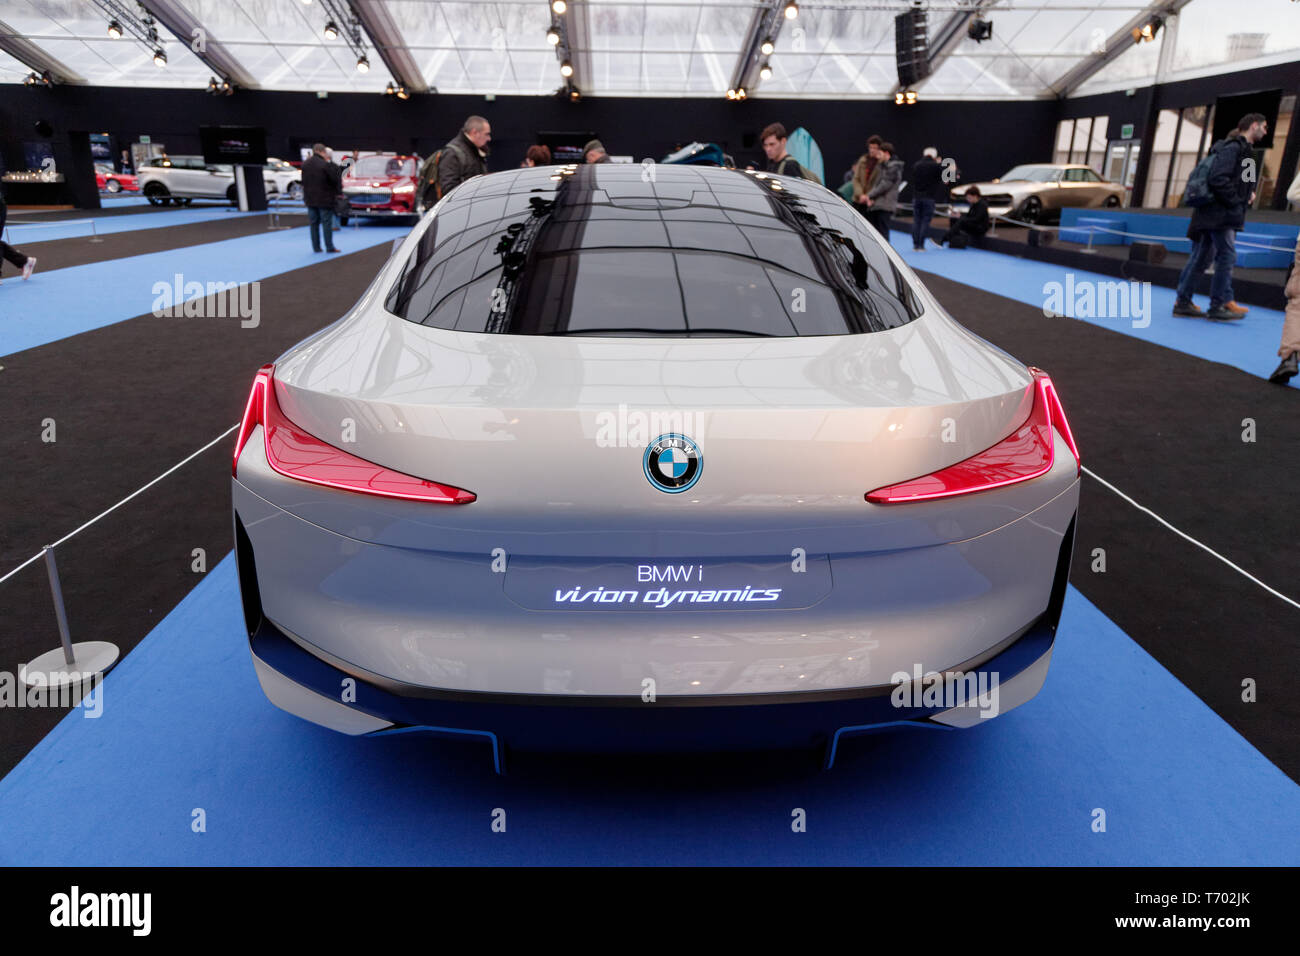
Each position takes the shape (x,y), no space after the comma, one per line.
(1210,36)
(1231,33)
(75,33)
(1134,67)
(282,45)
(11,71)
(842,49)
(665,47)
(1030,49)
(834,52)
(479,47)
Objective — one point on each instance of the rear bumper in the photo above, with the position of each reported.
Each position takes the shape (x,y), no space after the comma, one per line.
(307,685)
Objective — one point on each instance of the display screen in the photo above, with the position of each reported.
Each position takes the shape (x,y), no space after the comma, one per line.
(233,144)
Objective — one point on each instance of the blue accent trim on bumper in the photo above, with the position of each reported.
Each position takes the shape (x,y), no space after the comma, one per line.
(547,723)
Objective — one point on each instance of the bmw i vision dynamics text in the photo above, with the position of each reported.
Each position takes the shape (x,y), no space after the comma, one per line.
(628,459)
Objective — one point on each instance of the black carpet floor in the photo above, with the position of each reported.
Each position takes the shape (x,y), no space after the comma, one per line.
(129,401)
(1166,428)
(110,208)
(132,399)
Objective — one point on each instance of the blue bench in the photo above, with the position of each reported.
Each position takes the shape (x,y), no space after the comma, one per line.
(1280,239)
(1103,229)
(1278,255)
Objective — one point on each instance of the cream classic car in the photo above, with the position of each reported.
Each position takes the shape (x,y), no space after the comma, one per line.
(1037,191)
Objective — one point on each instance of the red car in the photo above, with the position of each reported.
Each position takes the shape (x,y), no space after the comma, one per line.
(114,182)
(382,185)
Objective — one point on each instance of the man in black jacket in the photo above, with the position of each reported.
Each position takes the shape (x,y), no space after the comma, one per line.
(466,155)
(974,222)
(322,184)
(927,187)
(1214,226)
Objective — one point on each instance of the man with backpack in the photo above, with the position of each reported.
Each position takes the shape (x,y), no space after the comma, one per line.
(1219,192)
(464,157)
(773,139)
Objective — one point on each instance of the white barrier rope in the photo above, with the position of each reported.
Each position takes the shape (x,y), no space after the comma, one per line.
(38,555)
(1138,235)
(46,225)
(1204,547)
(1091,229)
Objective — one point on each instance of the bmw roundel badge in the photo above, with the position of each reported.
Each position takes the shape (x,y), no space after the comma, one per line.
(673,463)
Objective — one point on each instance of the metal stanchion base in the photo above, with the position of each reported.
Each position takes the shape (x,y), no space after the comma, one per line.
(52,669)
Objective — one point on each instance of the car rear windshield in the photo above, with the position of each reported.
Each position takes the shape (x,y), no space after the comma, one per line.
(383,166)
(610,252)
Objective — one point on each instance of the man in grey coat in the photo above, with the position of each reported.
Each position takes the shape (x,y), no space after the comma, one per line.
(882,198)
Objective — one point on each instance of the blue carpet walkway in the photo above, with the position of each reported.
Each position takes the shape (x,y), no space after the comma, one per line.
(22,228)
(54,305)
(1249,344)
(184,726)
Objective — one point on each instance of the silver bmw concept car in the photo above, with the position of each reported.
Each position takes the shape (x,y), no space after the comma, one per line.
(631,457)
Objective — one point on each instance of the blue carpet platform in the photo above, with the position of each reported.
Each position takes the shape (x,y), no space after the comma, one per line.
(1261,245)
(184,727)
(1249,344)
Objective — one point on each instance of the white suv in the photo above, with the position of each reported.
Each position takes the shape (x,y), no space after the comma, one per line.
(182,179)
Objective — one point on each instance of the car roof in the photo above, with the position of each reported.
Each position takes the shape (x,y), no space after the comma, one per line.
(669,182)
(690,230)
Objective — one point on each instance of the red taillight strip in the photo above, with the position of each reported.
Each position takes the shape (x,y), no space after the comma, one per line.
(1026,454)
(294,453)
(253,412)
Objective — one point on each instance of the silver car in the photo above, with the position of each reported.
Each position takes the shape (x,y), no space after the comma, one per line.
(628,458)
(182,179)
(1036,192)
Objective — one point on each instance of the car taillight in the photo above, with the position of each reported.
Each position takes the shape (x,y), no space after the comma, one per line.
(1026,453)
(292,452)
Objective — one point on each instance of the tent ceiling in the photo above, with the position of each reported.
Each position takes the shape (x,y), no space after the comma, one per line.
(663,47)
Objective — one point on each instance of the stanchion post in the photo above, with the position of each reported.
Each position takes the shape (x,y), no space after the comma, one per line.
(60,612)
(94,233)
(80,662)
(1091,230)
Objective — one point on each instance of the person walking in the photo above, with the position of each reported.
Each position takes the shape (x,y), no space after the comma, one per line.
(927,188)
(1289,349)
(8,253)
(864,171)
(465,155)
(773,140)
(1214,226)
(322,184)
(882,197)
